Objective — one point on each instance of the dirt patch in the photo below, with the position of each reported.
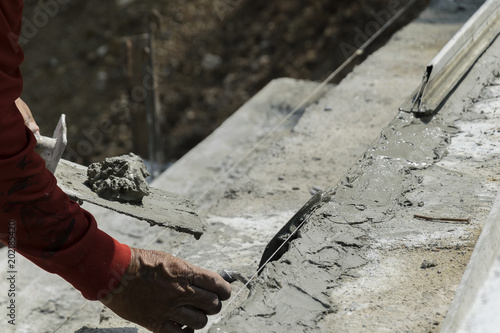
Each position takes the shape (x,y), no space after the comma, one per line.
(213,56)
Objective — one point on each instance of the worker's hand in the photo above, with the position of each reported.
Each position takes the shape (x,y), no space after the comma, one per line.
(163,293)
(29,121)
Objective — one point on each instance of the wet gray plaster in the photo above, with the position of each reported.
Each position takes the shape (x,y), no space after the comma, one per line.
(293,291)
(401,174)
(121,178)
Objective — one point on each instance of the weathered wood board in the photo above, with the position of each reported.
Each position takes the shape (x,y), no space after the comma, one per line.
(158,208)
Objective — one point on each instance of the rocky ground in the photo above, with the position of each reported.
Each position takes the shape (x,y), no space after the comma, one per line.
(212,57)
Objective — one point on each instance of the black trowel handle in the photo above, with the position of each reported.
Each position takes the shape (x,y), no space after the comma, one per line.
(231,276)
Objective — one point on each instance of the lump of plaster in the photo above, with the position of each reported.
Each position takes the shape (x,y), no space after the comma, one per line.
(121,178)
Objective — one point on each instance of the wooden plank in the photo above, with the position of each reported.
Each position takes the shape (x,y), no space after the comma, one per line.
(160,208)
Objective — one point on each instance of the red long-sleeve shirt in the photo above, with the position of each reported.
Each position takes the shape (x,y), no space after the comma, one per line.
(50,230)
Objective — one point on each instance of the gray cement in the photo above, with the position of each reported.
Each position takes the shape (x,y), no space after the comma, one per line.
(121,178)
(402,174)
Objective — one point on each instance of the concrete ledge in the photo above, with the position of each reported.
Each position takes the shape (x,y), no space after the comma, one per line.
(477,273)
(198,170)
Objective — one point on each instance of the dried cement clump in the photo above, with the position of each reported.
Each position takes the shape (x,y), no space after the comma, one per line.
(121,178)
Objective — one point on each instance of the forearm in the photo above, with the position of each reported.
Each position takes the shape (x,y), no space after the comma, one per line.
(51,230)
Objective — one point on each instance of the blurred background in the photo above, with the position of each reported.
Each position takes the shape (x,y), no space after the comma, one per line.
(85,59)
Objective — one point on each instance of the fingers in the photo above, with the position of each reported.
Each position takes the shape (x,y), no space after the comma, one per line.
(196,307)
(187,329)
(171,327)
(186,315)
(191,317)
(205,301)
(166,293)
(29,121)
(196,276)
(193,310)
(213,282)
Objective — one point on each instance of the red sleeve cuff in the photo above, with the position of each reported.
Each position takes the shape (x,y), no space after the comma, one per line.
(101,270)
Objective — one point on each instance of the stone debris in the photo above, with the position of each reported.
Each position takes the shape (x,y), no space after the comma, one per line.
(428,264)
(121,178)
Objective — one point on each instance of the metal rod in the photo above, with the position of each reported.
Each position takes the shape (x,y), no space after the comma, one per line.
(455,59)
(450,219)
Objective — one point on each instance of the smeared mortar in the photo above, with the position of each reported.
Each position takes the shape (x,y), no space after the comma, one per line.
(121,178)
(293,291)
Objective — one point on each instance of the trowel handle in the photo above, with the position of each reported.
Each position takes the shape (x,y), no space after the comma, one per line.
(43,142)
(51,149)
(45,147)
